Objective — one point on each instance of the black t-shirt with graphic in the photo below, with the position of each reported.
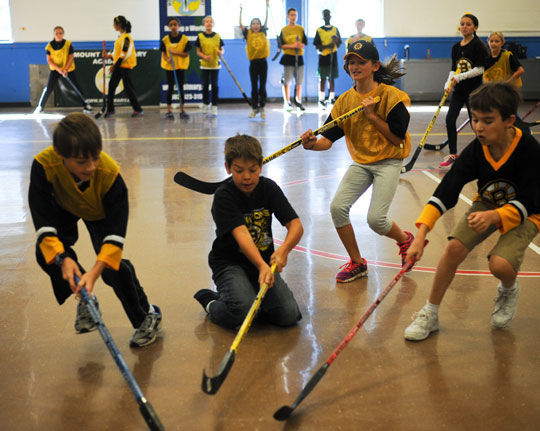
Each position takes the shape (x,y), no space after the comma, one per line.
(232,208)
(467,57)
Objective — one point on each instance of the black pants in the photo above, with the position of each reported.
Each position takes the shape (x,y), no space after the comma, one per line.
(456,103)
(124,282)
(171,82)
(121,73)
(54,76)
(209,76)
(258,71)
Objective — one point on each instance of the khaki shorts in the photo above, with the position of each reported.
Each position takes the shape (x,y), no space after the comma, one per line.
(510,246)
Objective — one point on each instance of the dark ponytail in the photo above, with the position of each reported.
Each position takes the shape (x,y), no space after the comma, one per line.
(123,23)
(389,71)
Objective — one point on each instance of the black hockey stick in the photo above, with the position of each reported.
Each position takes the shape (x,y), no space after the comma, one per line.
(147,411)
(432,147)
(176,79)
(77,90)
(104,106)
(210,385)
(208,188)
(284,412)
(236,81)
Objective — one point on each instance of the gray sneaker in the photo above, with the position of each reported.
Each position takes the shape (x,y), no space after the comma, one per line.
(505,306)
(424,323)
(83,320)
(146,333)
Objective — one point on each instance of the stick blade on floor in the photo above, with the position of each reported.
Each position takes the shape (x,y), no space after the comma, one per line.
(196,185)
(210,385)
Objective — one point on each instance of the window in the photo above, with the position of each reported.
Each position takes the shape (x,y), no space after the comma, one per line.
(226,13)
(5,22)
(344,16)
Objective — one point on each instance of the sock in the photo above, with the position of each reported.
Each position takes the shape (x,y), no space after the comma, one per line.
(321,96)
(151,309)
(432,307)
(513,287)
(207,308)
(331,96)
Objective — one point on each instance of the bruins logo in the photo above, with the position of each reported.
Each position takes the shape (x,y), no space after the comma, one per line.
(258,224)
(464,64)
(357,46)
(498,193)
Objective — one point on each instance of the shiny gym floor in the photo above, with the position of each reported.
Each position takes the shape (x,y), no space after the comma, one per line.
(468,376)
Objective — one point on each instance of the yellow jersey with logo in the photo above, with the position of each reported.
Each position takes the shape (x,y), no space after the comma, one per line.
(87,204)
(327,37)
(353,39)
(179,62)
(257,45)
(292,34)
(60,56)
(501,71)
(210,46)
(129,57)
(365,143)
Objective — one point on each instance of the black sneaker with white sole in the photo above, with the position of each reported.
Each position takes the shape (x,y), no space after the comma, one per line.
(205,296)
(147,333)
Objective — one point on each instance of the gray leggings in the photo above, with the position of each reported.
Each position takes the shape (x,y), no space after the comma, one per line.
(384,176)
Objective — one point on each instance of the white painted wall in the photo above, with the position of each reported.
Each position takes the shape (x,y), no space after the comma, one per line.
(91,20)
(441,17)
(83,20)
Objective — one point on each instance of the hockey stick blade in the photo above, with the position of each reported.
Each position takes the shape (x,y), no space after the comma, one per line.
(210,385)
(408,166)
(196,185)
(150,416)
(98,114)
(284,412)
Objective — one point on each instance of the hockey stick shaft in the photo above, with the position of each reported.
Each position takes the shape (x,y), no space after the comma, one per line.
(211,385)
(236,81)
(209,188)
(75,88)
(104,82)
(176,79)
(146,409)
(285,411)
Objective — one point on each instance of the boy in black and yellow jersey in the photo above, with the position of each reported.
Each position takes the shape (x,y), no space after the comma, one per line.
(504,162)
(71,180)
(60,60)
(258,50)
(176,45)
(124,60)
(292,40)
(327,40)
(209,47)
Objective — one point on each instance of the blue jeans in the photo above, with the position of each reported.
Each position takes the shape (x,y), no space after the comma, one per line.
(237,292)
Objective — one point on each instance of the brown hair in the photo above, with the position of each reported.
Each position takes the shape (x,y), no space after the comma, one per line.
(242,147)
(77,136)
(495,96)
(59,27)
(388,73)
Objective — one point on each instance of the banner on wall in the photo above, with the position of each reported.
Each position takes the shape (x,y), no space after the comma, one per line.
(190,13)
(89,71)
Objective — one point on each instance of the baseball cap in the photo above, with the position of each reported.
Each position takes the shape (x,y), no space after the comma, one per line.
(364,50)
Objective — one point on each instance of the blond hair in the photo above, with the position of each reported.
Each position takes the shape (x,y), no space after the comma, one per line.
(498,34)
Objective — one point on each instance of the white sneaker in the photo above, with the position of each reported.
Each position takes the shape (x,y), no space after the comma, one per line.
(505,306)
(424,323)
(213,111)
(253,113)
(263,113)
(205,109)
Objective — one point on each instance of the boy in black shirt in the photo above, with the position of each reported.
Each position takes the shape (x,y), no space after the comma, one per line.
(243,250)
(72,180)
(504,161)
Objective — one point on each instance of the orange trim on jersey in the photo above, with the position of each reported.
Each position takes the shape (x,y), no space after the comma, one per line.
(50,246)
(510,218)
(429,215)
(111,255)
(497,164)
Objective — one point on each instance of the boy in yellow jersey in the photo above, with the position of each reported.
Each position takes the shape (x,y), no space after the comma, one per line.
(292,40)
(60,60)
(71,180)
(125,59)
(258,50)
(209,47)
(176,45)
(327,40)
(360,24)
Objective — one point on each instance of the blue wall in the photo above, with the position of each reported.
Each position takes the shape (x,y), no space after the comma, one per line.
(16,57)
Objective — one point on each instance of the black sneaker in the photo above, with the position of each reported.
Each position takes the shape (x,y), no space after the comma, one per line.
(184,115)
(147,333)
(169,116)
(84,322)
(87,109)
(299,105)
(205,296)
